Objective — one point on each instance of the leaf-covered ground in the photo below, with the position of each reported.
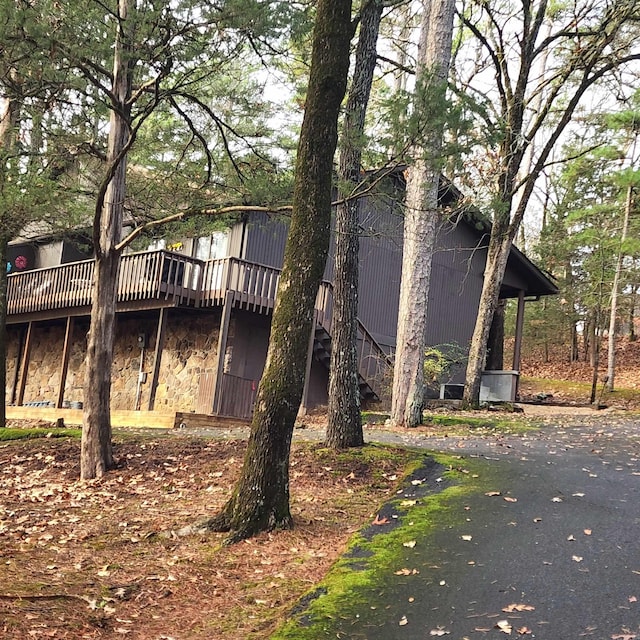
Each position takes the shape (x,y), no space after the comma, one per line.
(101,560)
(571,381)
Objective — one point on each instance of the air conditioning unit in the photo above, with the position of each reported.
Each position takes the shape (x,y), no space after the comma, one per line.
(498,386)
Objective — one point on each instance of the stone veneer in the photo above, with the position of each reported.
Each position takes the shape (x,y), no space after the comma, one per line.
(190,350)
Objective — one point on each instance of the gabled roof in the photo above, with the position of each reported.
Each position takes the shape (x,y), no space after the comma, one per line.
(535,282)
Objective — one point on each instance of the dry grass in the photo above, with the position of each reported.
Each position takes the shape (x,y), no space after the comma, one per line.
(99,560)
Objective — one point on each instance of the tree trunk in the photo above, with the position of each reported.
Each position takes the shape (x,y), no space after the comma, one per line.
(421,222)
(611,338)
(590,338)
(632,314)
(420,227)
(3,328)
(9,121)
(96,455)
(595,361)
(495,343)
(260,500)
(497,256)
(344,426)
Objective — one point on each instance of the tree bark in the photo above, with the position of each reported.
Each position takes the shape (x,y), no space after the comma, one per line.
(9,121)
(495,348)
(260,501)
(421,221)
(497,256)
(344,425)
(96,455)
(611,338)
(3,328)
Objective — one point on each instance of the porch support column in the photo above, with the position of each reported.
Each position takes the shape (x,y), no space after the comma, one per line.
(304,404)
(517,345)
(24,366)
(157,356)
(16,368)
(66,350)
(222,349)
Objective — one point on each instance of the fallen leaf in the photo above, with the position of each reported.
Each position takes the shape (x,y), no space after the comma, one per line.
(577,558)
(406,572)
(467,538)
(440,631)
(403,621)
(570,538)
(624,636)
(493,493)
(409,543)
(633,599)
(408,503)
(556,499)
(504,626)
(587,532)
(523,631)
(518,607)
(510,499)
(380,521)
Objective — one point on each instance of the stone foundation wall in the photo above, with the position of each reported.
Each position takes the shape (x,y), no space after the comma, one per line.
(191,345)
(190,350)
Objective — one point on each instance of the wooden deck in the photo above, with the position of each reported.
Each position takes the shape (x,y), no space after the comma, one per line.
(130,419)
(161,279)
(150,279)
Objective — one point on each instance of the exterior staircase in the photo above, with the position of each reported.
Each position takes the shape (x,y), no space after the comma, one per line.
(374,365)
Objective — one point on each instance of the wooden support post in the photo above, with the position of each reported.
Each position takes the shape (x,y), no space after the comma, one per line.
(517,344)
(66,350)
(16,368)
(304,404)
(157,356)
(24,366)
(222,349)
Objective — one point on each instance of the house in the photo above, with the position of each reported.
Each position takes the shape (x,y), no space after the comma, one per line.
(193,318)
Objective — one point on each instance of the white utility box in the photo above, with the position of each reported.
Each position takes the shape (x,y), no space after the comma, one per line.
(499,386)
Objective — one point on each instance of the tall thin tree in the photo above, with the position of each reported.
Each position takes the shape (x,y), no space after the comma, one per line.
(421,218)
(344,424)
(592,41)
(96,450)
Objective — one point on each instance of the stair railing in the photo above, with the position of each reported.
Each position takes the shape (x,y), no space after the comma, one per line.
(374,364)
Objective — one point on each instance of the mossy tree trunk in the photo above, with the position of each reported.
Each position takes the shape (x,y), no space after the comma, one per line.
(344,425)
(260,501)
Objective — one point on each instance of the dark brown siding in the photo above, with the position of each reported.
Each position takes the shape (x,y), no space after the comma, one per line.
(265,237)
(380,268)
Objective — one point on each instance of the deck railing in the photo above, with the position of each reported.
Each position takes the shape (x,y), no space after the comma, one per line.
(253,285)
(375,365)
(150,275)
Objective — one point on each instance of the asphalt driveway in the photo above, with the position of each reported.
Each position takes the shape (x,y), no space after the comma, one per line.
(551,550)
